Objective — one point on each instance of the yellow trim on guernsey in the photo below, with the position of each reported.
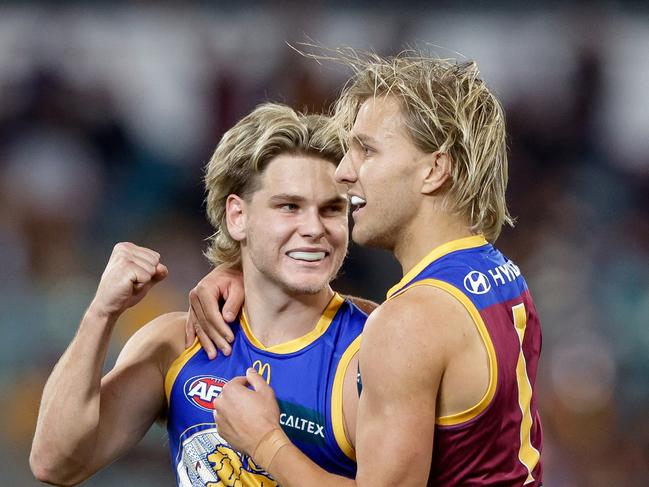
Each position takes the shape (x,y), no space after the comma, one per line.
(436,253)
(527,454)
(472,412)
(337,417)
(301,342)
(177,365)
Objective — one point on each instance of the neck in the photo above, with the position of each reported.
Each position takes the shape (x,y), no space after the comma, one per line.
(276,315)
(426,231)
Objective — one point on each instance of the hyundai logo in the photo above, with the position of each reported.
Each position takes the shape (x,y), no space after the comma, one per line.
(476,283)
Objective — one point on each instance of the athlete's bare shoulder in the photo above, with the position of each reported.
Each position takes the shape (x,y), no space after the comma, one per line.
(419,314)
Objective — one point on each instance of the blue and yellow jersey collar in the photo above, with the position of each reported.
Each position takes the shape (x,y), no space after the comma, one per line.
(438,252)
(301,342)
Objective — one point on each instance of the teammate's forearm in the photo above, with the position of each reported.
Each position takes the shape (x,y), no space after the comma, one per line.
(292,468)
(68,418)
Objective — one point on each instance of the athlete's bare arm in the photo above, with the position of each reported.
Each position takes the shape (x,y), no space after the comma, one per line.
(86,421)
(210,324)
(406,346)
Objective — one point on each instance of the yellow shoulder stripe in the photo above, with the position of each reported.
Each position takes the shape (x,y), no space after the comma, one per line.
(177,365)
(436,253)
(472,412)
(301,342)
(337,417)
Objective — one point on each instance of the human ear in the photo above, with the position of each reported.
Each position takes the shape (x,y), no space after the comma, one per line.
(235,217)
(438,171)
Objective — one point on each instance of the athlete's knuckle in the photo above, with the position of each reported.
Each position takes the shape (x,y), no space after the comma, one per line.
(121,264)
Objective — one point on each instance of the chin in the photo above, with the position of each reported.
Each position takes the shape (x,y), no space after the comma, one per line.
(304,288)
(304,282)
(365,238)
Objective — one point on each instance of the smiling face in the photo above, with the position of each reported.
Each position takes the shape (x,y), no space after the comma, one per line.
(383,173)
(293,229)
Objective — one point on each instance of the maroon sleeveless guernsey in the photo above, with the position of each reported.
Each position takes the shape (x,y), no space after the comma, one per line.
(499,440)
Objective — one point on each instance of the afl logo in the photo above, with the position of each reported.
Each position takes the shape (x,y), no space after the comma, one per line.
(476,283)
(202,390)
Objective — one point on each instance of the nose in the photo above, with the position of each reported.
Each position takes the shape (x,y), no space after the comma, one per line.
(311,225)
(345,172)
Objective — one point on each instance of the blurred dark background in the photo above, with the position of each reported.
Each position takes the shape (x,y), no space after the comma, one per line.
(108,113)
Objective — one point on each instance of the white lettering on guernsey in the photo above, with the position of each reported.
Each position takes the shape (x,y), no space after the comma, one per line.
(301,424)
(497,276)
(507,271)
(477,283)
(206,394)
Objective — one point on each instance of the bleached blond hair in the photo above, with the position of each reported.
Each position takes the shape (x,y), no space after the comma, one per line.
(243,154)
(447,108)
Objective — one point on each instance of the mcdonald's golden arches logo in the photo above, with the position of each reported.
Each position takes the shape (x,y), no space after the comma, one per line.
(262,369)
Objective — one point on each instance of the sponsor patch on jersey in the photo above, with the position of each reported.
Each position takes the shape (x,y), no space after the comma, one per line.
(301,423)
(203,389)
(476,283)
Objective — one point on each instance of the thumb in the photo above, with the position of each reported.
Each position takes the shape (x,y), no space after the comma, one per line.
(255,380)
(161,272)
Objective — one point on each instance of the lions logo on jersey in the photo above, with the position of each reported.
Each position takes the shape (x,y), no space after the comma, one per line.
(208,461)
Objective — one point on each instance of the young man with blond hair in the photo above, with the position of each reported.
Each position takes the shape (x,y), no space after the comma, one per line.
(279,215)
(448,362)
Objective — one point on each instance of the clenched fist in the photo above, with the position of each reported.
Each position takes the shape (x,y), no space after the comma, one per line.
(130,273)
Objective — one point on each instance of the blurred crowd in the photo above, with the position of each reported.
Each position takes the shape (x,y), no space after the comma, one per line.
(107,116)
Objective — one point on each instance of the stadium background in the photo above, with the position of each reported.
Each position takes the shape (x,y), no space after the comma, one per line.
(109,110)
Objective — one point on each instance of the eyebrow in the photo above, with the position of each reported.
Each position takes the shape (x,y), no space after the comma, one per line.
(283,197)
(293,198)
(336,200)
(363,139)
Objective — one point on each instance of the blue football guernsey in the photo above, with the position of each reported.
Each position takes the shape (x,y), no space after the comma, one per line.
(307,376)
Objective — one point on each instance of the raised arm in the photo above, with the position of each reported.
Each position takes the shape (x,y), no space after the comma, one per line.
(84,421)
(402,359)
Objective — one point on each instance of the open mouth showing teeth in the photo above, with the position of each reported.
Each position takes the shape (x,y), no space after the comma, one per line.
(307,256)
(357,202)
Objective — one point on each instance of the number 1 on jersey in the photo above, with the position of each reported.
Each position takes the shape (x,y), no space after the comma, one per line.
(528,455)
